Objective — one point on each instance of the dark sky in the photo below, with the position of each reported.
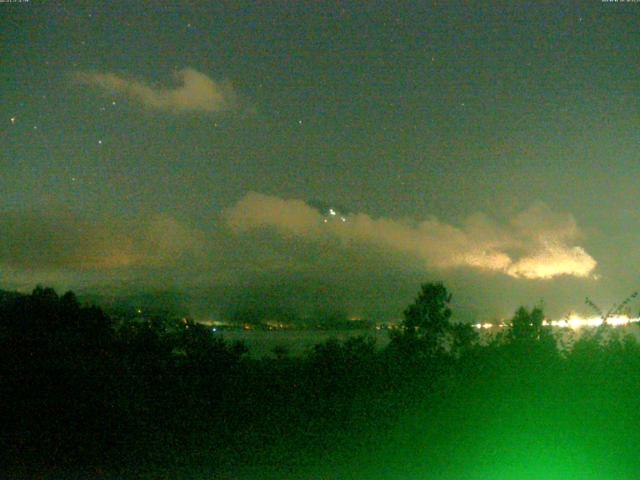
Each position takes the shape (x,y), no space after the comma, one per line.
(494,146)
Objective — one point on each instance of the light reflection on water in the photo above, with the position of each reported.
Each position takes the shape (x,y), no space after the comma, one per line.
(262,343)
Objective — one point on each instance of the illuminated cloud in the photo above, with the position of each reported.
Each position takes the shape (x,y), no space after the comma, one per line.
(195,92)
(547,236)
(553,260)
(542,238)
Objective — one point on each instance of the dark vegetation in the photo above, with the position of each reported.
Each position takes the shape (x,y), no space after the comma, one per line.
(81,398)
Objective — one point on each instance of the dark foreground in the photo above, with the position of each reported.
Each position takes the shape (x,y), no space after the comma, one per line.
(83,399)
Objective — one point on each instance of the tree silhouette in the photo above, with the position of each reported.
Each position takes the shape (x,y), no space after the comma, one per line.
(527,326)
(428,316)
(528,333)
(616,309)
(463,337)
(426,321)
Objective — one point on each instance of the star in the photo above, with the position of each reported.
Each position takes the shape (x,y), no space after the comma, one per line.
(99,142)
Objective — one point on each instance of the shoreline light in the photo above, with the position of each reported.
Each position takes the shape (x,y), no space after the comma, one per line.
(573,321)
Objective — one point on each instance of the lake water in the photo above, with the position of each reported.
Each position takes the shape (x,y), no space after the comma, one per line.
(262,342)
(297,342)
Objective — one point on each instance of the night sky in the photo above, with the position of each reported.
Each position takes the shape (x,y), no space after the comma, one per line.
(324,155)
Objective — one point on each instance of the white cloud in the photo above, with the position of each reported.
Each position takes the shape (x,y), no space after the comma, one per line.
(551,260)
(542,238)
(195,92)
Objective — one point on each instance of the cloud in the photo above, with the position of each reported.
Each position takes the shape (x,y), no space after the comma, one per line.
(45,241)
(552,260)
(195,92)
(257,210)
(536,244)
(266,250)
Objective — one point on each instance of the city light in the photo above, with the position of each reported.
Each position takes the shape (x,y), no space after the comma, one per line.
(573,321)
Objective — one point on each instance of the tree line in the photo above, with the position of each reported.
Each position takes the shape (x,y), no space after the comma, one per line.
(80,392)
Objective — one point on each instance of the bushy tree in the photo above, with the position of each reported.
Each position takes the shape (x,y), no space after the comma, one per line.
(206,350)
(528,334)
(426,320)
(527,326)
(429,314)
(463,337)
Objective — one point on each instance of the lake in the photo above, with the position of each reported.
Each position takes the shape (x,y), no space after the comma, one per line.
(262,342)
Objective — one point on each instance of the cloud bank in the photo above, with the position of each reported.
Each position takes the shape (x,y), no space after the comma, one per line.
(276,233)
(195,92)
(43,241)
(293,257)
(536,244)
